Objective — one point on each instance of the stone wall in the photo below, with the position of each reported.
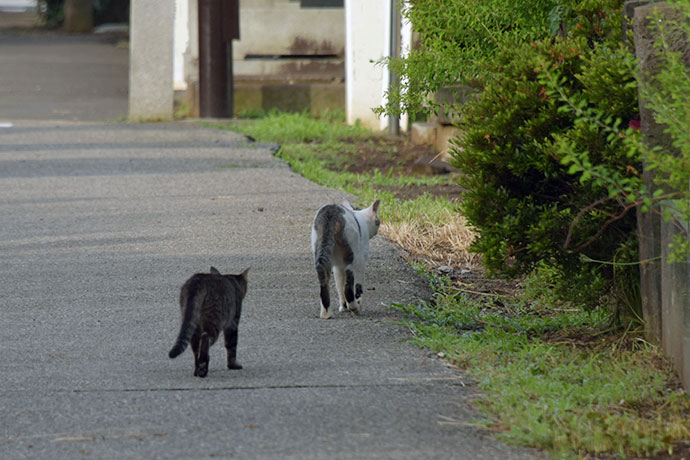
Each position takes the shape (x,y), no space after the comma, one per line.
(665,286)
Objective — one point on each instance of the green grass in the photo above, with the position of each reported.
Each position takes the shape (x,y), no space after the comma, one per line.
(544,387)
(319,149)
(294,128)
(552,376)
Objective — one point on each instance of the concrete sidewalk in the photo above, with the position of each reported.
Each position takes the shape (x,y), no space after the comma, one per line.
(47,76)
(101,225)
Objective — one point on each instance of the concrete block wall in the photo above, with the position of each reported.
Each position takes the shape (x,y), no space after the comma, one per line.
(274,32)
(288,57)
(330,49)
(315,98)
(665,286)
(675,301)
(436,135)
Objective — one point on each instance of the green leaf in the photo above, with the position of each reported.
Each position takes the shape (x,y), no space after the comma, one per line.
(574,169)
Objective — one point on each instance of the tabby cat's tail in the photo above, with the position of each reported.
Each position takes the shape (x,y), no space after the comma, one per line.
(186,329)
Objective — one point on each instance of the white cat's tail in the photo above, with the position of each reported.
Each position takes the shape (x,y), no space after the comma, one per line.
(190,300)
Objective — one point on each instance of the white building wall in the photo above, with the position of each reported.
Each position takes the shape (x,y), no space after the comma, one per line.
(281,27)
(267,27)
(278,26)
(368,39)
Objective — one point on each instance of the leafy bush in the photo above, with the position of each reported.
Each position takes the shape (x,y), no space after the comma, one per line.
(667,93)
(546,182)
(456,39)
(52,12)
(525,203)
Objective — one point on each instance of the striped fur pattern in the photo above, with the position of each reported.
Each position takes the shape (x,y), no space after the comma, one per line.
(211,303)
(340,244)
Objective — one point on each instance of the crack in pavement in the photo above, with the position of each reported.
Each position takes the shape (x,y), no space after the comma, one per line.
(402,382)
(409,383)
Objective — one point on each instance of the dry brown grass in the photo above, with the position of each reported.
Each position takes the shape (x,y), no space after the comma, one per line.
(445,243)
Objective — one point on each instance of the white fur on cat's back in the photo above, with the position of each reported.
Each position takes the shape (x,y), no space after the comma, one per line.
(360,227)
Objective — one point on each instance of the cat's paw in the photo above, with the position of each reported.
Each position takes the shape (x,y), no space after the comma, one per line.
(354,307)
(234,365)
(325,314)
(343,308)
(201,371)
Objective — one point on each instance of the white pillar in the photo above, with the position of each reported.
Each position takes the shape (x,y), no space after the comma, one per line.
(367,41)
(191,52)
(367,26)
(181,43)
(151,59)
(405,48)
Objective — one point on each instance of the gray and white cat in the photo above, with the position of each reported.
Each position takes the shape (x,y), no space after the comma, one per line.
(210,303)
(340,242)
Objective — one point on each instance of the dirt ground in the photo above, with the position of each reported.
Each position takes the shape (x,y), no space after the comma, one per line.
(400,156)
(403,157)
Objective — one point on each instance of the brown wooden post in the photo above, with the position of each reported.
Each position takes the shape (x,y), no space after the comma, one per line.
(78,16)
(231,31)
(218,26)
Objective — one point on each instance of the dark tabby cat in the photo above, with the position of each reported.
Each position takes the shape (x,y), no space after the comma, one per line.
(210,303)
(340,243)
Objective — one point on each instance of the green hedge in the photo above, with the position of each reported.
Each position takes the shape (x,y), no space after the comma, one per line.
(456,40)
(528,204)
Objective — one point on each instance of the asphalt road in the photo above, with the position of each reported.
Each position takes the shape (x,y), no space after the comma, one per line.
(101,223)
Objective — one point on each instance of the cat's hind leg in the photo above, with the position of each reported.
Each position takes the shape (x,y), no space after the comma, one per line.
(352,305)
(202,362)
(324,273)
(194,342)
(231,347)
(358,296)
(325,303)
(339,275)
(359,282)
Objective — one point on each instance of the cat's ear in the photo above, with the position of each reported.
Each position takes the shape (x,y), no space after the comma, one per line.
(214,271)
(348,205)
(244,273)
(375,206)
